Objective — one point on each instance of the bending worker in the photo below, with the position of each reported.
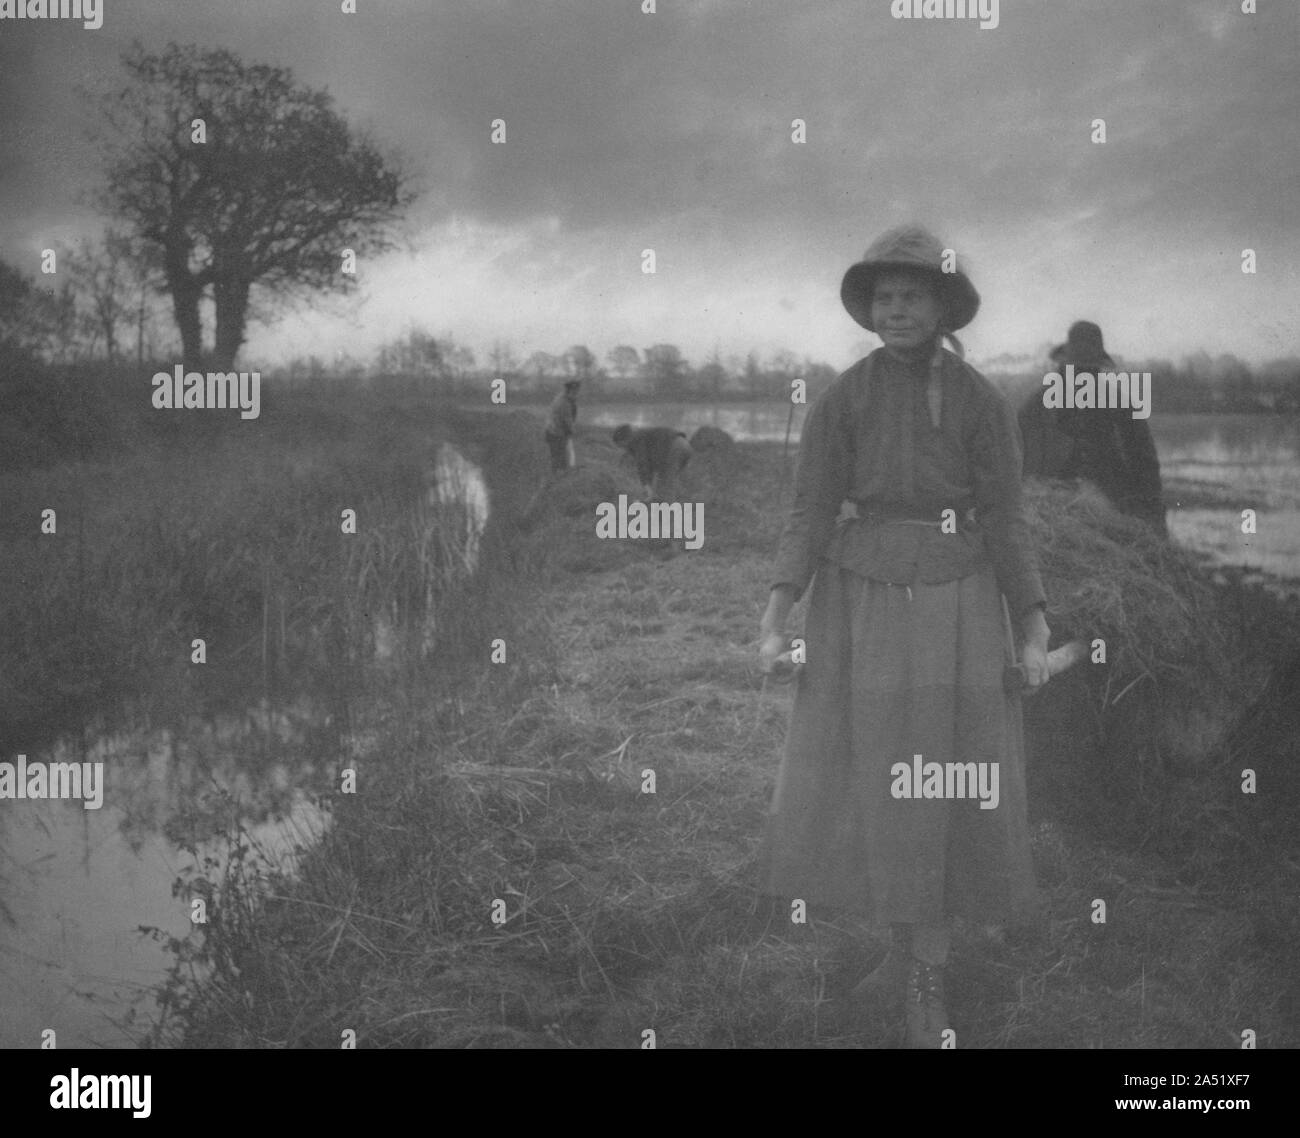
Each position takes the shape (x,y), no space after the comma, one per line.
(660,454)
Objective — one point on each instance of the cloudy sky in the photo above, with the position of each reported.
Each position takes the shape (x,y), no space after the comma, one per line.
(672,131)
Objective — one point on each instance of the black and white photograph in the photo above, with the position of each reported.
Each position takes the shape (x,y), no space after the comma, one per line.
(640,524)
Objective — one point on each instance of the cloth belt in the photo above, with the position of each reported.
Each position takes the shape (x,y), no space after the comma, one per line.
(876,515)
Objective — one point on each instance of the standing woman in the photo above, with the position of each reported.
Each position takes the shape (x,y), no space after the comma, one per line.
(906,635)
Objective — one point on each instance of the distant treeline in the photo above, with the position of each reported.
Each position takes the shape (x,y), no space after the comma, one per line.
(660,372)
(51,331)
(1199,383)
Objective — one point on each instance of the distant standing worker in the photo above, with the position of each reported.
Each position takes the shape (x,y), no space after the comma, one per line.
(660,454)
(1104,445)
(560,423)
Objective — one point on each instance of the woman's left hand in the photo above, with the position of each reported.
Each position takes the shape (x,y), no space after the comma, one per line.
(1033,649)
(1033,657)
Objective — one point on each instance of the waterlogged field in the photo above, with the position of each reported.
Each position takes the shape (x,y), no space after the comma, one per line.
(502,875)
(1215,469)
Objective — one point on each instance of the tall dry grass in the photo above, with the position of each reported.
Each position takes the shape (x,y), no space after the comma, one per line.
(233,537)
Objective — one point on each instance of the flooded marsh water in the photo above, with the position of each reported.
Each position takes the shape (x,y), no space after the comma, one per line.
(77,885)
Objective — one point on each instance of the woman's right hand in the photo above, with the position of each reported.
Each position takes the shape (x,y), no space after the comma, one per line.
(772,643)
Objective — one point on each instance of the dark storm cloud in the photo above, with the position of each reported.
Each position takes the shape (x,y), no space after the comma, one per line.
(618,118)
(673,130)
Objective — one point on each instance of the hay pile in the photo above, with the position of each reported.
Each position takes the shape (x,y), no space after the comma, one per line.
(1109,576)
(558,526)
(1140,748)
(577,492)
(712,440)
(1265,738)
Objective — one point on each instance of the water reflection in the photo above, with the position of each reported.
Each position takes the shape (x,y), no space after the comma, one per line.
(1260,463)
(748,422)
(1274,547)
(1240,441)
(78,883)
(449,534)
(460,489)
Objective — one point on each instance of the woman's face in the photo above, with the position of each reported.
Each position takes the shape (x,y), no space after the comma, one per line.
(905,309)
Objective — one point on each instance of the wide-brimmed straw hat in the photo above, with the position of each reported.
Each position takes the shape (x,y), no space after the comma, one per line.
(1083,345)
(909,247)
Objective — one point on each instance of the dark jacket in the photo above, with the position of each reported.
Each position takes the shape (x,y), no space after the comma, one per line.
(869,439)
(652,449)
(563,415)
(1106,446)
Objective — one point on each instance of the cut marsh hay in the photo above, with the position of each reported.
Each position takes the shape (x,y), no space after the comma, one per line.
(1108,741)
(1265,739)
(577,492)
(1109,576)
(560,521)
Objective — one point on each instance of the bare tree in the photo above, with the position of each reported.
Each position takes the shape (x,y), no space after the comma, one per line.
(36,322)
(113,281)
(624,361)
(416,355)
(543,365)
(269,192)
(579,362)
(25,324)
(783,366)
(665,367)
(503,359)
(712,376)
(459,361)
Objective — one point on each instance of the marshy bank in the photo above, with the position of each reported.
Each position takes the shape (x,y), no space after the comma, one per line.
(222,759)
(505,880)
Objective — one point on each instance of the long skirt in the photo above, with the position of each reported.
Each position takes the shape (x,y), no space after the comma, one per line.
(893,672)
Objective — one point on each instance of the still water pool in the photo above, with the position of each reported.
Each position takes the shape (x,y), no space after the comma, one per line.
(76,884)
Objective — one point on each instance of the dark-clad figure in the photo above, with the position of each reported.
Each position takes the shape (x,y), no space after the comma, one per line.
(1106,446)
(560,423)
(660,454)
